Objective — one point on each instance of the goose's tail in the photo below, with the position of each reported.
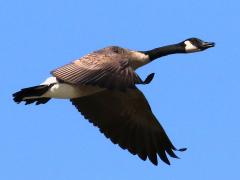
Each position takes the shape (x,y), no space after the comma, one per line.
(32,95)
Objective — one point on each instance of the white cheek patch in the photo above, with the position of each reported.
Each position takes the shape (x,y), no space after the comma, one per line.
(190,47)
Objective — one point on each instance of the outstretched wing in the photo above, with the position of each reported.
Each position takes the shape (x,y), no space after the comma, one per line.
(126,118)
(104,68)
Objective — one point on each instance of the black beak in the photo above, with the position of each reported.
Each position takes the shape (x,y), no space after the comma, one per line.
(206,45)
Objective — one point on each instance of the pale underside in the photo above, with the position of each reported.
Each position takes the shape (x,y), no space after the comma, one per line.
(68,91)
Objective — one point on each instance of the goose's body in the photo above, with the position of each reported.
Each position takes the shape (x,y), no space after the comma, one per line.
(102,86)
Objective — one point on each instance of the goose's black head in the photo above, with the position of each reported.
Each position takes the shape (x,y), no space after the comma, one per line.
(195,45)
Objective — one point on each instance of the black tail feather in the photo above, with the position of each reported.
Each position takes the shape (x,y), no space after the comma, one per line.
(37,100)
(35,92)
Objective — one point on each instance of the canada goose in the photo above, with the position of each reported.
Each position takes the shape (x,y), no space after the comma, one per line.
(102,86)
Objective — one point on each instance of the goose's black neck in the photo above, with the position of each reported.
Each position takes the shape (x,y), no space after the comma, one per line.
(164,51)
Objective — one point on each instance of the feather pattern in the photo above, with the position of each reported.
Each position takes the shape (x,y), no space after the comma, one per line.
(107,68)
(126,118)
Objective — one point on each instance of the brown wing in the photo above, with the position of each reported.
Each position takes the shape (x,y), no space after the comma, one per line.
(126,118)
(103,68)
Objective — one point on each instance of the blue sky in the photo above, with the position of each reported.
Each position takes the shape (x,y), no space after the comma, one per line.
(195,96)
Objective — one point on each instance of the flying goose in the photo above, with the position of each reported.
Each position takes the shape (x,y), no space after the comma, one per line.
(102,86)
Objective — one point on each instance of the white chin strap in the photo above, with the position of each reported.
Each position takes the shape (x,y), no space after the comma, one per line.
(190,47)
